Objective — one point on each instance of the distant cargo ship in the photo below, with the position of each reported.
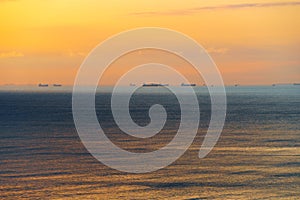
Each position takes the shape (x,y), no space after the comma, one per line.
(57,85)
(43,85)
(296,84)
(188,84)
(154,85)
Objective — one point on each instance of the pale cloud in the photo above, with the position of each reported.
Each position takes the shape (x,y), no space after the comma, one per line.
(76,53)
(217,50)
(11,54)
(190,11)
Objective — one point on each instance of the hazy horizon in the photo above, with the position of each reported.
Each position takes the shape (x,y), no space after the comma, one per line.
(231,131)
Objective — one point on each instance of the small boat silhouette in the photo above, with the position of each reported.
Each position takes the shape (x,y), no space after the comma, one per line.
(43,85)
(188,84)
(154,85)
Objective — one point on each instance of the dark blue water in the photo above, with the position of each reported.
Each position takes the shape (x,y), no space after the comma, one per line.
(257,156)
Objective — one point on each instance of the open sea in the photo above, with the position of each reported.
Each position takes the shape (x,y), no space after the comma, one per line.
(256,157)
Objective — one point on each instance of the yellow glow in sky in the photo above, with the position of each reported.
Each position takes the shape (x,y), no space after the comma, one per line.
(254,42)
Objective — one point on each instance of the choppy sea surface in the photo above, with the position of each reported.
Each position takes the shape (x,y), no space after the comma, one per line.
(256,157)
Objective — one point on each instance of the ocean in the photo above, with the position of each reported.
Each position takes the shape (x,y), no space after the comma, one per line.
(256,157)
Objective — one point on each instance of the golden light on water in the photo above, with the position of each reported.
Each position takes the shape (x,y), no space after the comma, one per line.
(253,43)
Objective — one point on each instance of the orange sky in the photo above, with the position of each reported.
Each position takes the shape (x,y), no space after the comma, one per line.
(254,42)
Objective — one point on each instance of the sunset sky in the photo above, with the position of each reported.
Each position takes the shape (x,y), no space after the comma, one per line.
(252,42)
